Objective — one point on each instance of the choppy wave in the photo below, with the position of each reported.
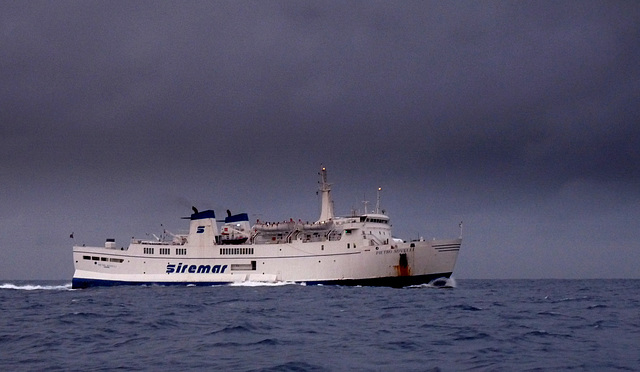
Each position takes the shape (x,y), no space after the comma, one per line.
(293,367)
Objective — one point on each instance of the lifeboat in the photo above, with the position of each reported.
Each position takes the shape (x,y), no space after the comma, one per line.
(278,227)
(236,229)
(317,226)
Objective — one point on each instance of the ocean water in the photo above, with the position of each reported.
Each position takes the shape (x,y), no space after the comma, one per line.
(485,325)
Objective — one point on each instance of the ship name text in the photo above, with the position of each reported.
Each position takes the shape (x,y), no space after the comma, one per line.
(195,269)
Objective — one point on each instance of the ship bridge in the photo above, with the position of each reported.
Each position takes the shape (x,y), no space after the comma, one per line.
(375,218)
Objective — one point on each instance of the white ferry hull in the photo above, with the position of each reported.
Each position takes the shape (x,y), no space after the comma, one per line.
(395,265)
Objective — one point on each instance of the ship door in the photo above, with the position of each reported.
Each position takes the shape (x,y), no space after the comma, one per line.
(403,261)
(403,266)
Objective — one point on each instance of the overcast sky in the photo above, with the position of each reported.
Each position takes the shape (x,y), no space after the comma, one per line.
(521,119)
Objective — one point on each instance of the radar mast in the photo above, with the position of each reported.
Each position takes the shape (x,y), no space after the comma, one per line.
(326,212)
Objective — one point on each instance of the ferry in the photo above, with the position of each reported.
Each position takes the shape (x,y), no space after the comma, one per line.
(354,250)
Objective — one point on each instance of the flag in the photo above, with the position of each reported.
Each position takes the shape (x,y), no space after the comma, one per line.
(71,236)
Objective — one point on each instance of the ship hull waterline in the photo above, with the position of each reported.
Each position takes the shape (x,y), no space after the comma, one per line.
(393,282)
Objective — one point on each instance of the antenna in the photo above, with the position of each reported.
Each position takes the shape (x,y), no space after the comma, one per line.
(365,202)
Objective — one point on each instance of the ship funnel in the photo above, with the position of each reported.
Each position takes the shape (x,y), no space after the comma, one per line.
(203,228)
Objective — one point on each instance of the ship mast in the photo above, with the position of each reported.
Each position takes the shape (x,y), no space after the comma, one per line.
(326,212)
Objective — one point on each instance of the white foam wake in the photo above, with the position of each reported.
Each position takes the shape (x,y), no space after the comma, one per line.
(35,287)
(438,283)
(262,284)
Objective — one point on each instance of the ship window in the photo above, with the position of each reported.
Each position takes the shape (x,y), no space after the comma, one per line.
(348,245)
(236,251)
(148,251)
(118,260)
(181,251)
(95,258)
(103,258)
(86,257)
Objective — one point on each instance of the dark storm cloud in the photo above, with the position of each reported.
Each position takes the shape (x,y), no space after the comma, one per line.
(515,99)
(539,89)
